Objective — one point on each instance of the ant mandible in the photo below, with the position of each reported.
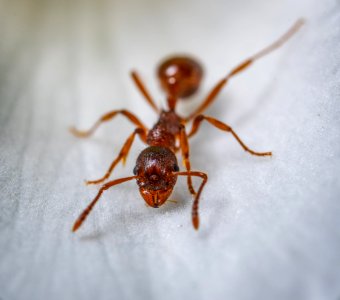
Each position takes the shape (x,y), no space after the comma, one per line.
(156,169)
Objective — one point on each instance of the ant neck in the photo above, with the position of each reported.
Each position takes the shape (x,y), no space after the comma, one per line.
(172,101)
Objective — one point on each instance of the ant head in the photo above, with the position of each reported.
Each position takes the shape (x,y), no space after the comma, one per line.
(180,76)
(155,169)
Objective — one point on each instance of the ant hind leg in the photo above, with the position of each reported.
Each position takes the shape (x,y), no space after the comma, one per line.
(142,88)
(241,67)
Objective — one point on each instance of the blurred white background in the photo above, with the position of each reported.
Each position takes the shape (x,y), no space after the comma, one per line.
(270,228)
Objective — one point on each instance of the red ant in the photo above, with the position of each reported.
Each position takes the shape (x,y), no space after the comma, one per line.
(156,169)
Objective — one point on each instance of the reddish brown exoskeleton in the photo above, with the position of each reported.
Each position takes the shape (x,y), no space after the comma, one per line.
(156,169)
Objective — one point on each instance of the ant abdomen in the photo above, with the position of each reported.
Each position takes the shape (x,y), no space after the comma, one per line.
(180,76)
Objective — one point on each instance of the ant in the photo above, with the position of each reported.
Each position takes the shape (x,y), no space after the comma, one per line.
(156,169)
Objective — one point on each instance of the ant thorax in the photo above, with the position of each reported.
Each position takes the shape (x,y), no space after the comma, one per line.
(166,129)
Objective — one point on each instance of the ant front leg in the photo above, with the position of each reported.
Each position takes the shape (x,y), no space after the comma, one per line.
(107,117)
(195,206)
(88,209)
(122,154)
(218,124)
(184,145)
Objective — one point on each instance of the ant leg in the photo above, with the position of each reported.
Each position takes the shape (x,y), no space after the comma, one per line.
(110,115)
(184,144)
(141,86)
(122,154)
(195,215)
(218,124)
(88,209)
(242,66)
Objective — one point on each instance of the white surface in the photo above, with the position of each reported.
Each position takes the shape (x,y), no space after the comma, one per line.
(269,227)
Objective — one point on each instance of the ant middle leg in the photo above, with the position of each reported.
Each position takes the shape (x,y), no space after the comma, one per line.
(142,88)
(107,117)
(242,66)
(88,209)
(122,154)
(218,124)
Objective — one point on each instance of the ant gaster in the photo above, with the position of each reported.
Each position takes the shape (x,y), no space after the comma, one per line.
(156,169)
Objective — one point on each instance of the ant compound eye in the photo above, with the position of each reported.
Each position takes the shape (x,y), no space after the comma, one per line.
(176,168)
(135,170)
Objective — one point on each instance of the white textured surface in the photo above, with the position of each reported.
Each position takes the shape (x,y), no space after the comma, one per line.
(270,228)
